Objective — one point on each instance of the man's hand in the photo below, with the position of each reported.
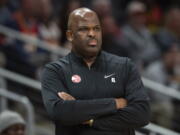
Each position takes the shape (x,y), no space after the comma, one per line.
(89,122)
(65,96)
(121,103)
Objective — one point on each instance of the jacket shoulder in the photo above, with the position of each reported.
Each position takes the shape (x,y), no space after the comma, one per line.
(111,58)
(58,64)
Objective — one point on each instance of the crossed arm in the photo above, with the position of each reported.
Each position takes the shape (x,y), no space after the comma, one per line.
(120,103)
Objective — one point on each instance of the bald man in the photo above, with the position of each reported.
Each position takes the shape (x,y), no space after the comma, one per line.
(91,92)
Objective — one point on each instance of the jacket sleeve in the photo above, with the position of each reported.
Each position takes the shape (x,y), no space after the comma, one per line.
(137,112)
(71,112)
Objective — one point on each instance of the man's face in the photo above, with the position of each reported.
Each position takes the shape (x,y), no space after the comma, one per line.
(138,18)
(86,35)
(17,129)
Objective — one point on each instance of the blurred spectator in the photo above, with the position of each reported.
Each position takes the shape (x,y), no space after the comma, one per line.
(118,8)
(142,48)
(69,6)
(4,15)
(2,59)
(4,12)
(18,55)
(13,5)
(24,57)
(163,71)
(11,123)
(155,15)
(48,29)
(171,29)
(113,40)
(57,5)
(103,8)
(25,18)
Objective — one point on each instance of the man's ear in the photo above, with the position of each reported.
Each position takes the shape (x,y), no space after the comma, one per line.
(69,35)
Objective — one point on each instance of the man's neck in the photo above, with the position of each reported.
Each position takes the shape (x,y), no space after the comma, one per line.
(89,61)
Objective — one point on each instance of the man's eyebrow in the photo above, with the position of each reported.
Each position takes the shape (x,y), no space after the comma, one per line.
(82,26)
(93,26)
(98,26)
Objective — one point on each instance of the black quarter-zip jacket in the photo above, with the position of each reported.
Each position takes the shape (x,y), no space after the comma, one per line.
(95,90)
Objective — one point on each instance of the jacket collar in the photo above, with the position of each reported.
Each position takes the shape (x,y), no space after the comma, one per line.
(79,59)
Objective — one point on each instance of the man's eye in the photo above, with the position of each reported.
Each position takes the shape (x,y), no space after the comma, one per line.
(97,28)
(83,29)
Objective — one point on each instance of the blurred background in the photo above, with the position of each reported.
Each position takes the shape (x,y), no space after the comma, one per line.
(32,33)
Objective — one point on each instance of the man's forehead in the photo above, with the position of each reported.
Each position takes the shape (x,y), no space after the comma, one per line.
(85,16)
(82,12)
(88,18)
(82,15)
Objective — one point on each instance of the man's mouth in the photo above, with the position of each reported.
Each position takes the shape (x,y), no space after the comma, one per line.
(93,42)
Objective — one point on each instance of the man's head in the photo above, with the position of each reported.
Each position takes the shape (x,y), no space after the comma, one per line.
(11,123)
(102,7)
(84,32)
(170,56)
(31,8)
(136,12)
(172,20)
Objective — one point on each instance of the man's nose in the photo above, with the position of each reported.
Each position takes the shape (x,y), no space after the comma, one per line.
(21,132)
(91,33)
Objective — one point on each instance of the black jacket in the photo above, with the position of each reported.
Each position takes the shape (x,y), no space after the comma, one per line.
(95,89)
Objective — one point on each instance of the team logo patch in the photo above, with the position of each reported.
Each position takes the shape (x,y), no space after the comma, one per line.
(76,79)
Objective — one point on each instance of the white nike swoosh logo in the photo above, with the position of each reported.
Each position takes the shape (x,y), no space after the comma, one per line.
(107,76)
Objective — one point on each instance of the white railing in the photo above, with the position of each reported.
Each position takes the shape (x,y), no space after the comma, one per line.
(157,87)
(20,79)
(155,129)
(34,41)
(3,101)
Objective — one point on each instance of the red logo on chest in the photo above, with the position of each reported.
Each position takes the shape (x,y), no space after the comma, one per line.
(76,79)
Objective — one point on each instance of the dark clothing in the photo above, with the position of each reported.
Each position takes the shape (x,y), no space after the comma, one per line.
(95,89)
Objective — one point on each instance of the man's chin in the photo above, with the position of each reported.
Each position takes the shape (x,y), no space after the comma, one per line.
(91,53)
